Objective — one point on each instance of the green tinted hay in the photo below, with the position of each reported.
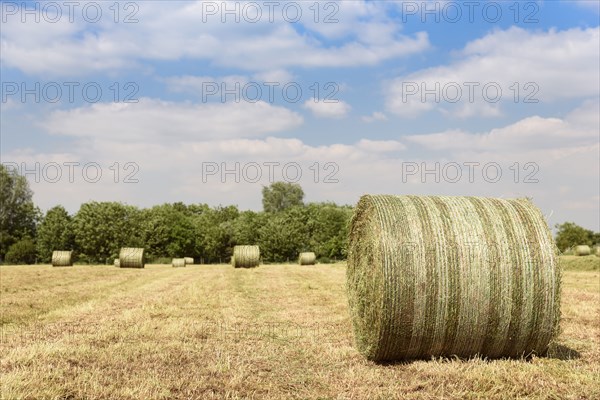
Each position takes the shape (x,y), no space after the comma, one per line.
(178,262)
(61,258)
(443,276)
(131,257)
(308,258)
(245,256)
(583,250)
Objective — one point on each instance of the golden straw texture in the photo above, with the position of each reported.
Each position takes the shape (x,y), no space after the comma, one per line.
(308,258)
(245,256)
(62,258)
(131,257)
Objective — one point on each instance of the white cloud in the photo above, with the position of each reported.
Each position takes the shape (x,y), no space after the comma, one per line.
(327,109)
(376,116)
(172,31)
(153,120)
(546,66)
(380,146)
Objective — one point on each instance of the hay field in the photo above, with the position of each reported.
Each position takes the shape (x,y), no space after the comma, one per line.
(99,332)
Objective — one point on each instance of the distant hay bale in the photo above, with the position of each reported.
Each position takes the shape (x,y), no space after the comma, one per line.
(131,257)
(598,251)
(189,260)
(233,261)
(62,258)
(443,276)
(117,263)
(178,262)
(308,258)
(583,250)
(245,256)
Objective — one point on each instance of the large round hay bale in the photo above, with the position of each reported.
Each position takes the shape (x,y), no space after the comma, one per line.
(132,257)
(178,262)
(443,276)
(117,263)
(189,260)
(62,258)
(245,256)
(583,250)
(307,258)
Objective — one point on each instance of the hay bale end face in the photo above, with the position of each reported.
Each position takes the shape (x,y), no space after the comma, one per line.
(443,276)
(131,257)
(245,256)
(583,250)
(62,258)
(117,263)
(178,262)
(189,260)
(308,258)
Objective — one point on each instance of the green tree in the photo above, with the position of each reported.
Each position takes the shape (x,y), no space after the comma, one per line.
(168,231)
(21,252)
(54,233)
(101,229)
(214,233)
(280,196)
(570,234)
(245,228)
(18,214)
(329,229)
(285,234)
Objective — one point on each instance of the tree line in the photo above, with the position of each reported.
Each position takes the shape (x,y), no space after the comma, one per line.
(98,230)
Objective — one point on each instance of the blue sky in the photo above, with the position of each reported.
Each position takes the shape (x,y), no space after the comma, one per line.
(492,98)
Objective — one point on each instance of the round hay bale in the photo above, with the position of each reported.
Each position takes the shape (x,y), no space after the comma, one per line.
(308,258)
(62,258)
(117,263)
(583,250)
(598,251)
(443,276)
(132,257)
(178,262)
(245,256)
(189,260)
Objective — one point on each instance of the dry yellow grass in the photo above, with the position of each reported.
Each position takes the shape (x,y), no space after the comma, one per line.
(272,332)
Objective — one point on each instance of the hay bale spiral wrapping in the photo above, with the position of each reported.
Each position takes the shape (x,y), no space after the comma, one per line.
(62,258)
(583,250)
(245,256)
(131,257)
(117,263)
(442,276)
(178,262)
(308,258)
(189,260)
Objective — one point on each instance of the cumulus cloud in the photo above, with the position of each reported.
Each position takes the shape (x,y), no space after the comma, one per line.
(376,116)
(152,120)
(512,65)
(327,109)
(170,31)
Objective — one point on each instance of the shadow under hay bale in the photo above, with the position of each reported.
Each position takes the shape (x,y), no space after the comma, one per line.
(438,276)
